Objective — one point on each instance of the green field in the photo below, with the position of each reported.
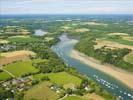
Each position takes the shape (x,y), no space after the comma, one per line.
(61,78)
(38,60)
(21,39)
(41,92)
(119,40)
(20,68)
(4,76)
(73,98)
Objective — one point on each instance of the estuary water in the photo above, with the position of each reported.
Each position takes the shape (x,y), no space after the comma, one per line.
(40,32)
(115,87)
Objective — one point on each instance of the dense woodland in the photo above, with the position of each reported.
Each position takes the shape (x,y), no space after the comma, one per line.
(105,55)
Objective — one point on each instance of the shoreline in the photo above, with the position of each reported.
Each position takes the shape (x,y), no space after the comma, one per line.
(120,74)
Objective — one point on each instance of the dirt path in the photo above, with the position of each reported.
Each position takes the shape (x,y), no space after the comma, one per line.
(7,72)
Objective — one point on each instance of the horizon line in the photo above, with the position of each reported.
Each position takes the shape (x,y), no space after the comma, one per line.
(72,14)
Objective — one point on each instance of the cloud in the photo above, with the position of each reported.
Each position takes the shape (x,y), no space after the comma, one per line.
(65,6)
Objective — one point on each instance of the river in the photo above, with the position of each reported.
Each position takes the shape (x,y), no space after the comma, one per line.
(64,49)
(40,32)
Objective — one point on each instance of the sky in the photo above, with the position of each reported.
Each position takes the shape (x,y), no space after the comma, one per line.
(66,6)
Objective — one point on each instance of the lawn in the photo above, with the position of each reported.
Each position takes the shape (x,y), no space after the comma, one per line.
(61,78)
(41,92)
(4,76)
(20,68)
(73,98)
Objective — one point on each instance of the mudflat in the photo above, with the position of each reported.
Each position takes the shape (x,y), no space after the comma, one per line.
(121,75)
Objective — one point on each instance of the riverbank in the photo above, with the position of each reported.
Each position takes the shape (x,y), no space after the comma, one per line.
(121,75)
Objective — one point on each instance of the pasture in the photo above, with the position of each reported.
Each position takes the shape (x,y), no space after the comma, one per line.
(93,23)
(92,96)
(4,76)
(118,34)
(73,98)
(20,68)
(10,57)
(16,53)
(41,92)
(129,58)
(89,96)
(20,36)
(22,39)
(61,78)
(49,38)
(110,44)
(82,30)
(128,38)
(2,41)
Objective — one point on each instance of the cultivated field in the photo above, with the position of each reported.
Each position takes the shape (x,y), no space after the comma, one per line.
(110,44)
(22,39)
(20,36)
(93,23)
(128,38)
(20,68)
(129,58)
(61,78)
(89,96)
(66,27)
(41,92)
(10,57)
(49,38)
(4,76)
(3,41)
(92,96)
(82,30)
(119,34)
(15,30)
(73,98)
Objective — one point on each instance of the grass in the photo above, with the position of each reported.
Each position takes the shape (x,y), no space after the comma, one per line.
(120,40)
(38,60)
(61,78)
(64,78)
(4,76)
(41,92)
(129,58)
(92,96)
(3,41)
(73,98)
(21,39)
(39,76)
(1,56)
(20,68)
(49,38)
(88,96)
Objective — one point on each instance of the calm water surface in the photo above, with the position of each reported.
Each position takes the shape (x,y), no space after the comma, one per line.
(64,49)
(40,32)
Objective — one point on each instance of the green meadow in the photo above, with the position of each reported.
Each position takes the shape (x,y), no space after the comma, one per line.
(22,39)
(20,68)
(4,76)
(73,98)
(60,78)
(41,92)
